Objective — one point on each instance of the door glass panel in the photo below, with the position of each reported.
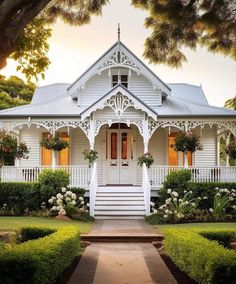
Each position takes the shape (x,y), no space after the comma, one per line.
(124,146)
(113,146)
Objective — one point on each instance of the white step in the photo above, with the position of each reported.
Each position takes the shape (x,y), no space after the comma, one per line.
(117,198)
(120,213)
(124,194)
(119,217)
(119,189)
(119,208)
(119,202)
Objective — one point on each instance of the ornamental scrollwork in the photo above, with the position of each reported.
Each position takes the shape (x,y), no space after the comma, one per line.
(119,103)
(118,59)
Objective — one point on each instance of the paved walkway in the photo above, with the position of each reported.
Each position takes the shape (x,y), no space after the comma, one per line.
(121,263)
(122,228)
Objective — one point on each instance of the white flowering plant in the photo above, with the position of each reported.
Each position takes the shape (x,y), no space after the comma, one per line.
(67,203)
(224,200)
(176,209)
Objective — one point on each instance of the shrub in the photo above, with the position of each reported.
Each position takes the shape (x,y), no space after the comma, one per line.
(51,181)
(208,189)
(33,233)
(175,180)
(223,238)
(18,198)
(39,261)
(203,260)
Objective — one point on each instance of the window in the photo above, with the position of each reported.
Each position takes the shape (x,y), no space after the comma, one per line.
(123,80)
(63,156)
(173,155)
(124,146)
(114,146)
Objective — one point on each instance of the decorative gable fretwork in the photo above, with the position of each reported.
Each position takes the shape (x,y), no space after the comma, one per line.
(119,99)
(186,125)
(118,59)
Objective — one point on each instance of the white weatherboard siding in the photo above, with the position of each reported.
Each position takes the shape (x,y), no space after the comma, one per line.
(31,136)
(99,148)
(158,146)
(79,143)
(207,157)
(94,89)
(143,89)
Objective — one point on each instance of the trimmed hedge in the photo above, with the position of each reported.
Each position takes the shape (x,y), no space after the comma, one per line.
(223,238)
(203,260)
(23,197)
(33,233)
(19,197)
(199,189)
(40,261)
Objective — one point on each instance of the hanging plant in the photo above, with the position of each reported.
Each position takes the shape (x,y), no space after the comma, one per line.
(147,159)
(91,156)
(55,142)
(231,151)
(187,142)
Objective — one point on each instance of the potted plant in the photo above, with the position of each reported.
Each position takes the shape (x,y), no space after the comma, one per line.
(186,142)
(147,159)
(231,151)
(55,142)
(91,156)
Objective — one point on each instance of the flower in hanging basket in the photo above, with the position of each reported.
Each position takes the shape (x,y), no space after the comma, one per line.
(231,151)
(91,156)
(54,143)
(187,142)
(147,159)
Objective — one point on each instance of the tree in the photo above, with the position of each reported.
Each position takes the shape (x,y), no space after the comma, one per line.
(231,103)
(175,24)
(185,23)
(9,150)
(24,28)
(15,92)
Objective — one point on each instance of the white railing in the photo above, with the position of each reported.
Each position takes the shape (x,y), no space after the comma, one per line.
(146,189)
(157,174)
(79,175)
(93,189)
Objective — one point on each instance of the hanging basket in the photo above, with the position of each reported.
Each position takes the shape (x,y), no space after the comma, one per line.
(55,143)
(187,142)
(147,159)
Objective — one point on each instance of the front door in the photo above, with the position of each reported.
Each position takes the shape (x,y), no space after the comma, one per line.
(119,156)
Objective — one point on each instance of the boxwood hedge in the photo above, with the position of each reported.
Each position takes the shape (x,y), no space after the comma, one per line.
(23,197)
(205,261)
(39,261)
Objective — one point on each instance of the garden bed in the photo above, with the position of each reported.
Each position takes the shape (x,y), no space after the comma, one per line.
(41,256)
(201,256)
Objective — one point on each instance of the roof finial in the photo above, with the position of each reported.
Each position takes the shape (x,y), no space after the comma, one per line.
(118,32)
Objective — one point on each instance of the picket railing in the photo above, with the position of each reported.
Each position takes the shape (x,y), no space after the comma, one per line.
(157,174)
(79,175)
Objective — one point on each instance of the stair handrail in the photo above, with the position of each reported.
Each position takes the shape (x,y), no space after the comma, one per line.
(146,189)
(93,189)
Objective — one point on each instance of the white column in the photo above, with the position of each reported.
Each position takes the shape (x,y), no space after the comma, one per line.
(145,135)
(218,150)
(227,136)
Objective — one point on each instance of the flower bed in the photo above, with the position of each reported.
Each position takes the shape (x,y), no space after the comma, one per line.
(205,261)
(39,261)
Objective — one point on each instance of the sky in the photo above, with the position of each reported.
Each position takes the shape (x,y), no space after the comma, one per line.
(74,49)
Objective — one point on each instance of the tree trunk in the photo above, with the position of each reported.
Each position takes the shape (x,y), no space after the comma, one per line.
(14,16)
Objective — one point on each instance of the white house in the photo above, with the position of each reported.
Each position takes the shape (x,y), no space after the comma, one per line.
(120,108)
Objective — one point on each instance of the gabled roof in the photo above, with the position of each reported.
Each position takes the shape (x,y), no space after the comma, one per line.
(127,99)
(127,59)
(189,93)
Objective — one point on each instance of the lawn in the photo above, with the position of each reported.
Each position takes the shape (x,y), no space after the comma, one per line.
(196,226)
(14,223)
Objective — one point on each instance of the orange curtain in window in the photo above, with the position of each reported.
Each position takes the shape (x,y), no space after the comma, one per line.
(63,159)
(190,159)
(172,154)
(46,154)
(63,156)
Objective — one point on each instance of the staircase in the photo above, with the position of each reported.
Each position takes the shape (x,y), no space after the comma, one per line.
(119,202)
